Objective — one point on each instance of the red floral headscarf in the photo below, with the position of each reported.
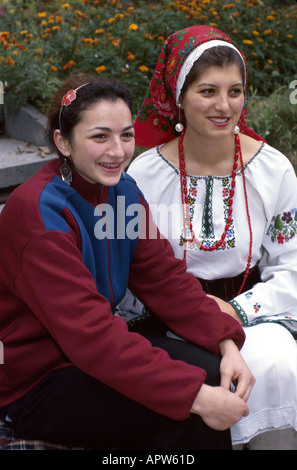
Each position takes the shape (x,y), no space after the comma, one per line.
(159,113)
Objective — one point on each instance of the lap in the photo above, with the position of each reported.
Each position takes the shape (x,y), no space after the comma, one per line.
(271,340)
(270,352)
(72,408)
(191,354)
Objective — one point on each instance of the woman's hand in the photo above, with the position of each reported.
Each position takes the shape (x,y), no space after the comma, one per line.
(234,370)
(218,406)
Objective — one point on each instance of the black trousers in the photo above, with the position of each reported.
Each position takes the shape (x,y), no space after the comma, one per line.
(71,408)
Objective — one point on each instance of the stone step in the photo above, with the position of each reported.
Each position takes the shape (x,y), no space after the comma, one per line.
(19,160)
(23,149)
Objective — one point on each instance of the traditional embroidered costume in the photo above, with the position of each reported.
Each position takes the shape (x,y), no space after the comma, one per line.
(254,266)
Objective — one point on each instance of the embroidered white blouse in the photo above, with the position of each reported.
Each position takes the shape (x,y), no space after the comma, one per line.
(272,199)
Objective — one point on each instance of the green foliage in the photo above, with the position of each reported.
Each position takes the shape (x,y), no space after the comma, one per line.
(275,119)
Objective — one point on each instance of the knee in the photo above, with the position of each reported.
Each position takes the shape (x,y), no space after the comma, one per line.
(282,367)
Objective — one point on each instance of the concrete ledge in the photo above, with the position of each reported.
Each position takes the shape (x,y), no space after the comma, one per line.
(19,161)
(26,123)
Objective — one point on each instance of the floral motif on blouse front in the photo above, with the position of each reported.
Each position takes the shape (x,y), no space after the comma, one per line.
(283,227)
(207,234)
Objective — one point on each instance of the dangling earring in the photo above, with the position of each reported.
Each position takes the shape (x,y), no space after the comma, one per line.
(66,172)
(179,126)
(236,130)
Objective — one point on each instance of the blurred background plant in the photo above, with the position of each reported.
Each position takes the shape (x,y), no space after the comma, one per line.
(41,42)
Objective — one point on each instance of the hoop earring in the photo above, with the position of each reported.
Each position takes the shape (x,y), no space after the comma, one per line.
(66,172)
(179,126)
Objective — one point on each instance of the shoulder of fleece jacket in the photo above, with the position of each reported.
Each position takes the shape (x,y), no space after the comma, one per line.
(20,219)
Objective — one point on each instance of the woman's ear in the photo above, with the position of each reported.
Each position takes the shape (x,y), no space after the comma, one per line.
(62,143)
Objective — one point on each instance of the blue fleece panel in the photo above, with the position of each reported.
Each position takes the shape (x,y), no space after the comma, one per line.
(107,250)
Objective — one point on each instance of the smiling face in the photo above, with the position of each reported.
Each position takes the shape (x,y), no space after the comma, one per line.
(213,103)
(102,142)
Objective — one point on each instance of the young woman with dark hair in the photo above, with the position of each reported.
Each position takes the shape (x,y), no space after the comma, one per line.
(74,372)
(236,219)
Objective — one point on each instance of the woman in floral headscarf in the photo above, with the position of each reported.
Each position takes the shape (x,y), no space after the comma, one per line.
(231,215)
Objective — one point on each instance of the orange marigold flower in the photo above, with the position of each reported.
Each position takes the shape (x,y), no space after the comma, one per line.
(4,35)
(131,56)
(53,68)
(10,61)
(56,28)
(69,64)
(267,31)
(133,27)
(41,15)
(148,36)
(229,5)
(99,31)
(24,32)
(247,41)
(80,14)
(143,68)
(20,46)
(65,5)
(100,69)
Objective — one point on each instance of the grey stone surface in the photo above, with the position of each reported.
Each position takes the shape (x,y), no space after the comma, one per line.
(20,160)
(27,124)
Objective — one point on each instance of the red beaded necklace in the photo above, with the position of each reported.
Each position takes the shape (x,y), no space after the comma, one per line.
(186,211)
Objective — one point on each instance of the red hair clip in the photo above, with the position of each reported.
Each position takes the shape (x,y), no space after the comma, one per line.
(67,100)
(70,96)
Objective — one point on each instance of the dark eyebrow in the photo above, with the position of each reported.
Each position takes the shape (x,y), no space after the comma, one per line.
(107,129)
(216,86)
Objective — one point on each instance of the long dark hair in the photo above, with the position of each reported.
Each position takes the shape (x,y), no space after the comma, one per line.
(93,90)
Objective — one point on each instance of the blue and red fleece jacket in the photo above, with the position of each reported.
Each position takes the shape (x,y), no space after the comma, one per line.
(61,279)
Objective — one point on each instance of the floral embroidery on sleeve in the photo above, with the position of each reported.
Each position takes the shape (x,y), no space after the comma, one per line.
(248,295)
(257,307)
(283,227)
